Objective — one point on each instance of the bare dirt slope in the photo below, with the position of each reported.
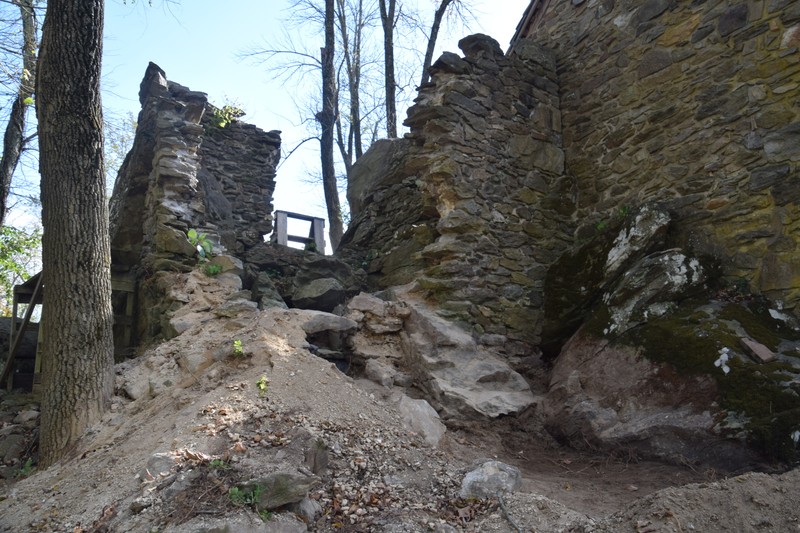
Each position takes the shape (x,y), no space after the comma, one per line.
(201,426)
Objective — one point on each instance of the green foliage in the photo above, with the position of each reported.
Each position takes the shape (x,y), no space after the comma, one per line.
(201,243)
(18,251)
(219,464)
(238,350)
(249,497)
(614,221)
(25,470)
(222,117)
(212,269)
(245,496)
(311,247)
(262,385)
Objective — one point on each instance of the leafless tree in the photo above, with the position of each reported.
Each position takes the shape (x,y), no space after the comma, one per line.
(21,53)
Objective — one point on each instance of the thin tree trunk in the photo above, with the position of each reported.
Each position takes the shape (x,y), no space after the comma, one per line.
(437,22)
(326,119)
(352,61)
(77,317)
(390,85)
(14,137)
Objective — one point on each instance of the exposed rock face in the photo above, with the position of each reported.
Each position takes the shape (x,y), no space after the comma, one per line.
(693,104)
(402,342)
(281,276)
(183,173)
(473,203)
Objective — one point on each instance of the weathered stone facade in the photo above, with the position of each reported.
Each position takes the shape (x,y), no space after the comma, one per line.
(473,204)
(605,106)
(183,173)
(692,103)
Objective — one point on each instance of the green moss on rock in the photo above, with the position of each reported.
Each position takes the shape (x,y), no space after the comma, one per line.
(690,340)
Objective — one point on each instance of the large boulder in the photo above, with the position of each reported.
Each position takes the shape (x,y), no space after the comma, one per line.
(280,276)
(582,276)
(460,377)
(712,381)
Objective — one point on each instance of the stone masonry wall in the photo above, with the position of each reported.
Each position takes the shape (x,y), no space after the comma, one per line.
(694,103)
(473,204)
(185,173)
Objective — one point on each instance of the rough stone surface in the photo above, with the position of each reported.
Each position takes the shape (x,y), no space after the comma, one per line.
(422,419)
(490,479)
(459,376)
(693,104)
(280,276)
(183,173)
(473,203)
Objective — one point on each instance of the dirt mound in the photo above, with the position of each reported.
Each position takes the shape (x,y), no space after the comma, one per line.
(215,429)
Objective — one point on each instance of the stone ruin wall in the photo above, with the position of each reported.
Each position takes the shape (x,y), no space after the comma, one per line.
(693,103)
(473,204)
(183,173)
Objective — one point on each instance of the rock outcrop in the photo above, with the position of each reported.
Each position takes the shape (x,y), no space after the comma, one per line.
(186,172)
(473,204)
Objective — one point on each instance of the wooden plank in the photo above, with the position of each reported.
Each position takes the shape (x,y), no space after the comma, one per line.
(17,341)
(281,227)
(318,233)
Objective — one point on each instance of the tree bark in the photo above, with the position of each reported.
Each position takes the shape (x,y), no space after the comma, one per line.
(437,22)
(326,119)
(77,317)
(390,84)
(14,137)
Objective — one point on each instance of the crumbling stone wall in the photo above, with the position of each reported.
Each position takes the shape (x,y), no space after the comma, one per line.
(474,203)
(693,103)
(182,173)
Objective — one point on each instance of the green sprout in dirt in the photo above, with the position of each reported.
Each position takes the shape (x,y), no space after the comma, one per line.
(219,464)
(262,385)
(249,497)
(25,470)
(212,269)
(238,350)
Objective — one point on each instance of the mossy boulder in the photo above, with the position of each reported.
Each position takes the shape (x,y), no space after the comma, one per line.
(681,386)
(578,279)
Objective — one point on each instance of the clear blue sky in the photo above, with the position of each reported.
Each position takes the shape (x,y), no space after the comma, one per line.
(199,44)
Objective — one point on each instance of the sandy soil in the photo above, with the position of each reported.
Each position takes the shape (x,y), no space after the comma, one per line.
(167,460)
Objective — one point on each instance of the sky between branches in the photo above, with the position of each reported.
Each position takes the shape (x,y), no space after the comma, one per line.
(199,44)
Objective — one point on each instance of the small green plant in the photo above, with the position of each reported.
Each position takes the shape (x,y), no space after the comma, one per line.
(224,116)
(311,247)
(212,269)
(238,350)
(262,385)
(25,470)
(201,243)
(249,496)
(245,496)
(219,464)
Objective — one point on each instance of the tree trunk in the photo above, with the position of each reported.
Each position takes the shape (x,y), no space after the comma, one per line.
(437,22)
(77,317)
(326,119)
(14,137)
(390,85)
